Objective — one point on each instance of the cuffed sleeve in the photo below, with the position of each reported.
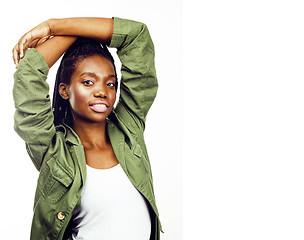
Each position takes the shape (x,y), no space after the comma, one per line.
(33,115)
(139,85)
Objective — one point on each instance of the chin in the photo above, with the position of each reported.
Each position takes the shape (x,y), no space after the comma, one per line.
(92,117)
(99,119)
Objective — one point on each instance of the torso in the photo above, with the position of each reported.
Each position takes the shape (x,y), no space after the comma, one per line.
(111,208)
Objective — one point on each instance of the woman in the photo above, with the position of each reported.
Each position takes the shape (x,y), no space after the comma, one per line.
(95,178)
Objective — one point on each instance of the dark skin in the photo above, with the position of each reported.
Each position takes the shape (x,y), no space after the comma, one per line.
(92,81)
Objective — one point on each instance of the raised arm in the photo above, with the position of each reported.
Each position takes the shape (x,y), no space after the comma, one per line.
(139,85)
(40,37)
(52,49)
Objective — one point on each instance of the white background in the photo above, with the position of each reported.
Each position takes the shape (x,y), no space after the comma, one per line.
(243,70)
(163,130)
(239,98)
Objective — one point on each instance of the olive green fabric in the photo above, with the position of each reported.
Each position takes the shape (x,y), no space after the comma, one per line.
(57,152)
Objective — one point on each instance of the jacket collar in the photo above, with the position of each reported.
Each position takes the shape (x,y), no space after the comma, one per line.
(117,138)
(69,134)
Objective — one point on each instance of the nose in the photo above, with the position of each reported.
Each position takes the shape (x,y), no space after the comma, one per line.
(100,94)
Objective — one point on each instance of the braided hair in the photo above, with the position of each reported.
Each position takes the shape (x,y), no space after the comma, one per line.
(79,50)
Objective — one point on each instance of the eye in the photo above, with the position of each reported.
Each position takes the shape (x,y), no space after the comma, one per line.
(111,84)
(88,82)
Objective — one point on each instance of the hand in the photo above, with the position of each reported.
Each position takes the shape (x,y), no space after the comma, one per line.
(31,39)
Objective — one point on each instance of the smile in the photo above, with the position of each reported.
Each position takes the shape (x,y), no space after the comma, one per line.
(99,106)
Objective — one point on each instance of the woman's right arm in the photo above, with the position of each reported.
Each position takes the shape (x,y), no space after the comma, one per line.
(34,115)
(53,48)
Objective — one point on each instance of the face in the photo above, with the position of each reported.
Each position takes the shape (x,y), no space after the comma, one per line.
(91,92)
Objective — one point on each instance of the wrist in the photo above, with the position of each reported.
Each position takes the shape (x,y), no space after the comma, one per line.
(53,24)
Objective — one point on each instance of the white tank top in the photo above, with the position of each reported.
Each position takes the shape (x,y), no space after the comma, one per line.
(111,208)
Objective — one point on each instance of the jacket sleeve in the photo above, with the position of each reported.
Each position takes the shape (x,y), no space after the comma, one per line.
(138,85)
(33,115)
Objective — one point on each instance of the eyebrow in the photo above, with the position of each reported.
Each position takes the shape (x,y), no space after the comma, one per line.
(95,75)
(88,73)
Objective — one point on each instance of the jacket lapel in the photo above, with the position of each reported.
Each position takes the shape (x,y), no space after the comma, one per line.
(117,139)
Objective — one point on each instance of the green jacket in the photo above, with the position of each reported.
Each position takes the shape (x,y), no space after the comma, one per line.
(57,152)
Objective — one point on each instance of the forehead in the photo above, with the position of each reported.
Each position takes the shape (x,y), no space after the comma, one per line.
(95,64)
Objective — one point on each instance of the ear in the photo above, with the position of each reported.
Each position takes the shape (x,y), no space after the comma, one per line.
(63,91)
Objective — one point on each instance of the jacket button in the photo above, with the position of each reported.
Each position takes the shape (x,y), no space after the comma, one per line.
(60,215)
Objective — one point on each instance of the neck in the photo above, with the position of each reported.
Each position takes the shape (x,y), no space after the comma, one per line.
(91,134)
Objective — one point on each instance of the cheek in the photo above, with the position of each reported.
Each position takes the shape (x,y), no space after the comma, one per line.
(77,96)
(112,97)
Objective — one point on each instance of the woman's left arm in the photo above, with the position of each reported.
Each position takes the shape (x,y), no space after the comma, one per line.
(100,29)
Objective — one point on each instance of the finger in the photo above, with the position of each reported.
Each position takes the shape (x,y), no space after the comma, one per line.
(42,40)
(21,48)
(22,45)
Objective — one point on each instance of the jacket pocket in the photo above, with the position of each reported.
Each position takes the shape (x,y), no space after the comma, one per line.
(54,180)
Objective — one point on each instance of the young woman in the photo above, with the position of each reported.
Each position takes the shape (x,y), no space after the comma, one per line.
(95,178)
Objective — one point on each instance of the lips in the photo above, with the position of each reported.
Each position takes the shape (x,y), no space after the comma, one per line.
(99,106)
